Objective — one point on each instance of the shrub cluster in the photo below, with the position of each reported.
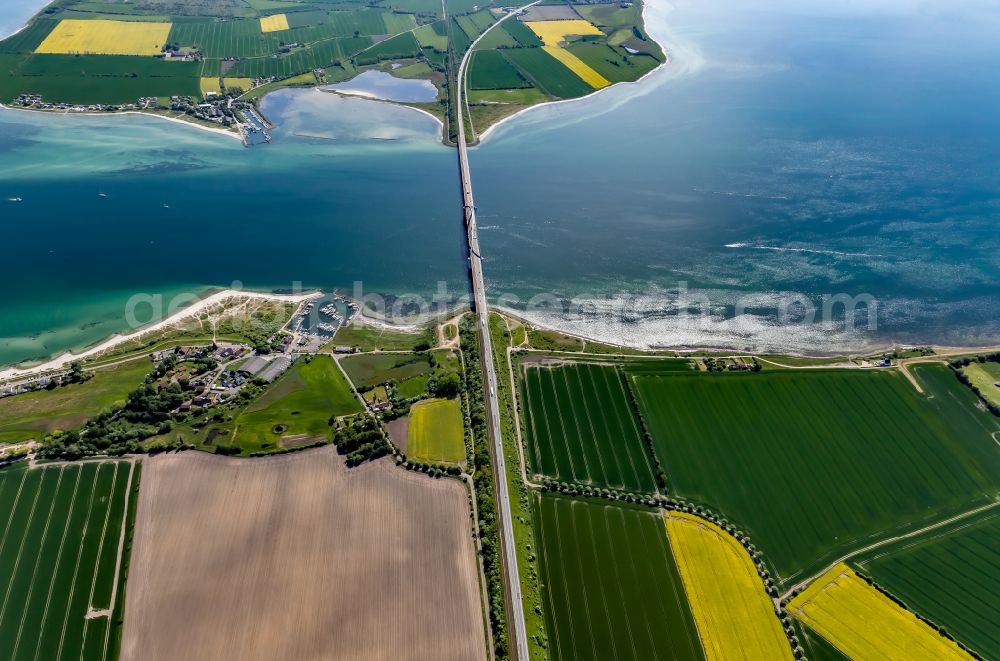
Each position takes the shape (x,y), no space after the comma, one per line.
(959,363)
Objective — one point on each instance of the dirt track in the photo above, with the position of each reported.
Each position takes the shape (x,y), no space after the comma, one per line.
(295,557)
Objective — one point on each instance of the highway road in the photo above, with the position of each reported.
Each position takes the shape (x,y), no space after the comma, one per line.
(515,609)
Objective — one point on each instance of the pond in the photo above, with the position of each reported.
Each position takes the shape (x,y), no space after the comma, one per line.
(385,86)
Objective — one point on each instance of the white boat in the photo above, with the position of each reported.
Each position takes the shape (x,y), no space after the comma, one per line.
(102,195)
(13,199)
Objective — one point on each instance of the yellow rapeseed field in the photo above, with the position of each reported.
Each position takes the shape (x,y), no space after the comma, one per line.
(865,624)
(274,23)
(100,37)
(244,84)
(210,85)
(734,615)
(578,66)
(553,33)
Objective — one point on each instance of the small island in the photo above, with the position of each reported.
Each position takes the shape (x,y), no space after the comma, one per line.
(210,62)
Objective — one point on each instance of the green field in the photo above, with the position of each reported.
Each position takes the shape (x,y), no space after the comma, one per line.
(302,401)
(547,72)
(814,463)
(497,38)
(58,559)
(580,427)
(525,97)
(95,78)
(613,63)
(610,587)
(951,578)
(491,70)
(436,432)
(371,369)
(34,414)
(432,36)
(521,33)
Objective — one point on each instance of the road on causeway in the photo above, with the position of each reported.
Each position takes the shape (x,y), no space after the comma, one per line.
(512,581)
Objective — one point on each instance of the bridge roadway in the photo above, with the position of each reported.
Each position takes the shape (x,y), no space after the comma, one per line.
(512,582)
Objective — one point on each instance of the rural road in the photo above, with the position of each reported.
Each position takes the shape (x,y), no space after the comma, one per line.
(512,580)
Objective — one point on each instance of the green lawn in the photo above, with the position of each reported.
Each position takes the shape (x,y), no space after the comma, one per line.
(373,368)
(34,414)
(436,432)
(412,387)
(814,463)
(58,559)
(580,427)
(302,401)
(950,577)
(610,587)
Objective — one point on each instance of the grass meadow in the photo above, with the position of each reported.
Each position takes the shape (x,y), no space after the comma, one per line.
(302,401)
(34,414)
(814,463)
(370,369)
(610,587)
(58,559)
(580,427)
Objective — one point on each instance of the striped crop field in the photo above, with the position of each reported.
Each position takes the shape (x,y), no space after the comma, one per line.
(581,427)
(815,463)
(59,572)
(610,587)
(863,623)
(100,37)
(577,66)
(735,617)
(950,578)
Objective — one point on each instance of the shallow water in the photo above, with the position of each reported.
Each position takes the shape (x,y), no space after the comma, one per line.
(786,154)
(385,86)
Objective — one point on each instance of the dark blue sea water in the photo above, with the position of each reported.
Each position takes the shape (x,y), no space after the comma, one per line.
(785,156)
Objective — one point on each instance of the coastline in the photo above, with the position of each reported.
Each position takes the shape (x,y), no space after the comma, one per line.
(63,360)
(870,350)
(168,118)
(660,40)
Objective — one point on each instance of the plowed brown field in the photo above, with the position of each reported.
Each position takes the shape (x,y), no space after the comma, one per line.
(295,557)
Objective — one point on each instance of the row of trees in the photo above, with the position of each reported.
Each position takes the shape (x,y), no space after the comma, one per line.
(965,361)
(482,477)
(681,505)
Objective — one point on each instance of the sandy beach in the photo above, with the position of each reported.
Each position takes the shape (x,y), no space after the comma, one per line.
(176,120)
(62,361)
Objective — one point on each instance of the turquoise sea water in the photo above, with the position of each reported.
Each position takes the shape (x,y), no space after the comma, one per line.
(785,155)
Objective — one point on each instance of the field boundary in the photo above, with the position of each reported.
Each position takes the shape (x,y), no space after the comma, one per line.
(871,547)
